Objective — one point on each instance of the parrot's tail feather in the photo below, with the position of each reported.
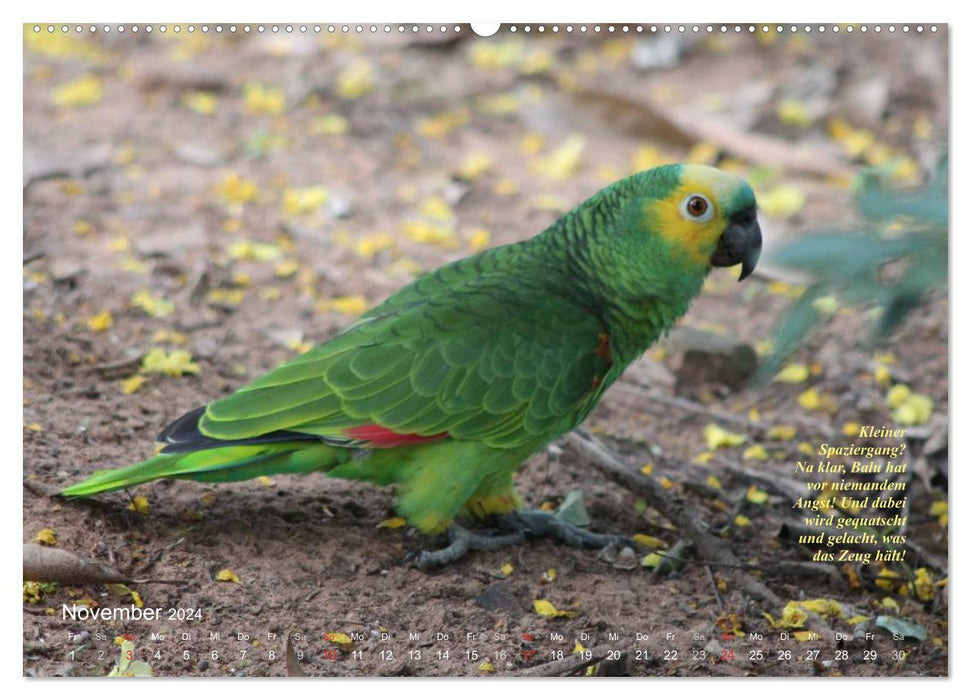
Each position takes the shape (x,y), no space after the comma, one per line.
(231,463)
(184,435)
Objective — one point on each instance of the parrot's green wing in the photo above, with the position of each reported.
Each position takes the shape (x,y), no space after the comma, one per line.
(471,359)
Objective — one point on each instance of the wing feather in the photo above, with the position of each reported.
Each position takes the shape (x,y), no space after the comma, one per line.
(451,353)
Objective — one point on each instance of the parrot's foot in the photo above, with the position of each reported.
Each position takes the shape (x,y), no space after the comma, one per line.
(519,525)
(461,541)
(544,524)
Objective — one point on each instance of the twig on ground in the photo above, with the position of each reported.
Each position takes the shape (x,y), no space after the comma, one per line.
(681,515)
(567,665)
(770,480)
(714,587)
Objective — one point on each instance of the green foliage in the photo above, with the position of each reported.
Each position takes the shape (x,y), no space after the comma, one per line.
(893,262)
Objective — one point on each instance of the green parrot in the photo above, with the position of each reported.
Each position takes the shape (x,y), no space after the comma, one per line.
(445,388)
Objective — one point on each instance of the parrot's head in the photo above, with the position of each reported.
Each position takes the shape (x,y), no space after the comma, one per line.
(702,217)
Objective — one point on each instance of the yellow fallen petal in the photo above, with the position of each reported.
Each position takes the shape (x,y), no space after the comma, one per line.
(46,536)
(338,638)
(174,364)
(889,603)
(220,296)
(703,457)
(652,560)
(356,79)
(923,585)
(442,235)
(479,239)
(794,373)
(286,268)
(742,520)
(547,609)
(132,384)
(881,375)
(237,190)
(244,249)
(713,482)
(436,207)
(487,667)
(810,399)
(531,143)
(351,305)
(201,102)
(329,125)
(703,152)
(474,166)
(227,575)
(650,542)
(825,305)
(806,636)
(369,245)
(139,504)
(563,161)
(822,606)
(151,304)
(304,201)
(916,410)
(101,321)
(82,92)
(34,427)
(549,575)
(393,523)
(885,579)
(647,157)
(506,569)
(756,452)
(782,202)
(266,481)
(793,615)
(259,99)
(716,437)
(756,495)
(898,395)
(793,113)
(647,469)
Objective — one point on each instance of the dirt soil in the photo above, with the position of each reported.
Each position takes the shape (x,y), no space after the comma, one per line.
(169,180)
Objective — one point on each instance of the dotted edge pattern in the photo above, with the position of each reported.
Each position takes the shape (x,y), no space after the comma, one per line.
(513,28)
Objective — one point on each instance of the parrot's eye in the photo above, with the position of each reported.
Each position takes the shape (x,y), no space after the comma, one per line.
(696,207)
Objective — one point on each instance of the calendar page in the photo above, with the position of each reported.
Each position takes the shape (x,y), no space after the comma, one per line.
(469,350)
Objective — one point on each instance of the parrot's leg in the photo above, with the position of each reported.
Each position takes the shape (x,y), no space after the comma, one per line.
(520,525)
(460,542)
(544,524)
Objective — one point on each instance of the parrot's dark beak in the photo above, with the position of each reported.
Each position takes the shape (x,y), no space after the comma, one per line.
(740,243)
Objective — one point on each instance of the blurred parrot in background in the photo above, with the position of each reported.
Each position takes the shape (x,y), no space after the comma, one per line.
(445,388)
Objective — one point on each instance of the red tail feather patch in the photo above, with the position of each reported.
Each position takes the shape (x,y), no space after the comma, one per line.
(381,437)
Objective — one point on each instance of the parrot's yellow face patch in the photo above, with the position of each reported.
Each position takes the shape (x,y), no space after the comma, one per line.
(693,216)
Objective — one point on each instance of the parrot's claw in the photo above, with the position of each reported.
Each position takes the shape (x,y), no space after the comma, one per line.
(544,524)
(519,525)
(461,541)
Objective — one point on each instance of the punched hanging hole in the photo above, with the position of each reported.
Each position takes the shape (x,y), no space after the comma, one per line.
(485,28)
